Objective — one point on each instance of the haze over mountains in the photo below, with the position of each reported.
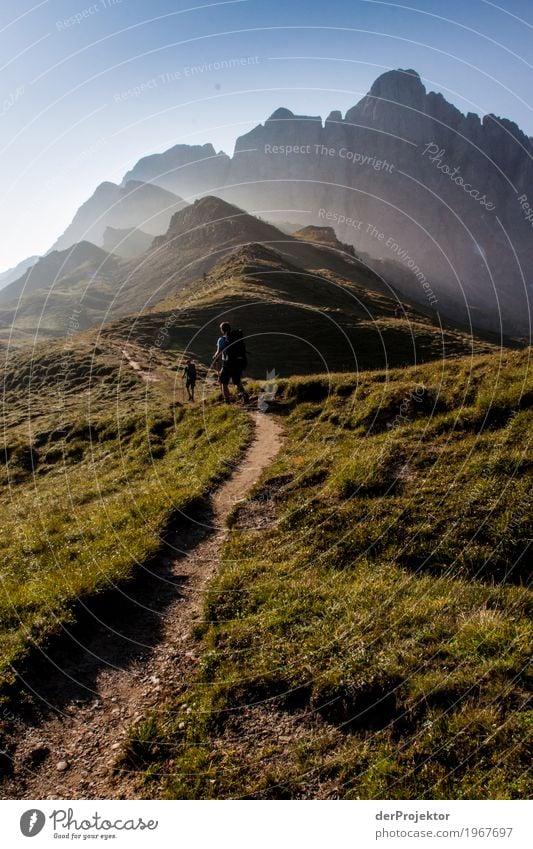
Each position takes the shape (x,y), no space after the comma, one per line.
(120,207)
(430,199)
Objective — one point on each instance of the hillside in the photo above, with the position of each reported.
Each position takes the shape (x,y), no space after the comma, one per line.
(85,285)
(295,321)
(369,633)
(12,274)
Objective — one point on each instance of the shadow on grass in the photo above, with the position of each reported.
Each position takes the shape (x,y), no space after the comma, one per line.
(112,629)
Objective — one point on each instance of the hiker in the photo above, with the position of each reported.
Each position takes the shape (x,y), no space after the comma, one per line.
(189,375)
(232,351)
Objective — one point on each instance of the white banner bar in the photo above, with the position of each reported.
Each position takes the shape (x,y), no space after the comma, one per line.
(264,825)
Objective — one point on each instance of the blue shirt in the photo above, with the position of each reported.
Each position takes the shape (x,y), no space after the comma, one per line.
(222,343)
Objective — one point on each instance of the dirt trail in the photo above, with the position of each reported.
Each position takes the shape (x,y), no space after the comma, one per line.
(126,657)
(147,376)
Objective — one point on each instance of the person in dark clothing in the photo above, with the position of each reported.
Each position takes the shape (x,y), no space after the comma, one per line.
(189,375)
(231,351)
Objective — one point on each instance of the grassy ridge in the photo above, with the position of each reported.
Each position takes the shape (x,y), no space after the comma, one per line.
(95,463)
(369,635)
(297,322)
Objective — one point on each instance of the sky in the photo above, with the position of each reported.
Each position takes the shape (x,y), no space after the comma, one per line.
(87,88)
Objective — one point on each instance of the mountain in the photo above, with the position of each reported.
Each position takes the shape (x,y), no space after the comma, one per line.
(132,205)
(347,541)
(86,446)
(202,233)
(404,177)
(83,258)
(12,274)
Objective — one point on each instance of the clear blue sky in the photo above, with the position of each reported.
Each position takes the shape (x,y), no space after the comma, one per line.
(68,122)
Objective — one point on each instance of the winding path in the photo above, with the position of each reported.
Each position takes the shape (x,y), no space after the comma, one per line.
(126,657)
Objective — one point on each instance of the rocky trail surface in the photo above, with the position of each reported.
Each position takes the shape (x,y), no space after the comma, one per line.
(125,655)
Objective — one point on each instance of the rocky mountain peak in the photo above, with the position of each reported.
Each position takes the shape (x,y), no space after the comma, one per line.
(396,100)
(281,114)
(203,211)
(400,86)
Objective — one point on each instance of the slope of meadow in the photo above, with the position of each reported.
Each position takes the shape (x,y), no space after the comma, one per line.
(369,635)
(95,463)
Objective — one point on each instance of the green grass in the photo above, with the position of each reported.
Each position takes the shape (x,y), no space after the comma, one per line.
(372,640)
(94,465)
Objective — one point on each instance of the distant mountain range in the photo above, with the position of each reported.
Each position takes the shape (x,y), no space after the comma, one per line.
(418,198)
(62,292)
(438,196)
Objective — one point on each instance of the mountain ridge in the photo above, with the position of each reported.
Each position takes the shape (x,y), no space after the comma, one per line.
(295,320)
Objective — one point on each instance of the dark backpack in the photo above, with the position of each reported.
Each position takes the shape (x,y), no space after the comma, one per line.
(235,350)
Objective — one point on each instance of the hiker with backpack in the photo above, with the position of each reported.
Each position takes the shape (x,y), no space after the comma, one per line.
(232,352)
(189,375)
